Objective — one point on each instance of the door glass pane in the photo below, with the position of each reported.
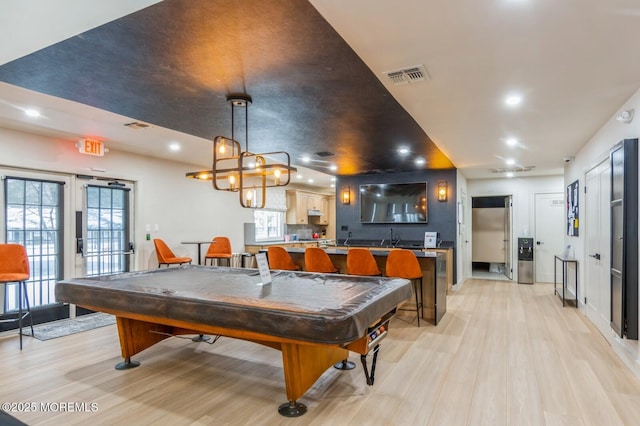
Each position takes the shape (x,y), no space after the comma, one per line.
(107,235)
(33,218)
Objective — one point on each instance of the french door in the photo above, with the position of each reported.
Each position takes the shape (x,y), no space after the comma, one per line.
(105,240)
(33,216)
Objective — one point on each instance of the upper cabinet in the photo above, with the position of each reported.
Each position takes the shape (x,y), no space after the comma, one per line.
(299,203)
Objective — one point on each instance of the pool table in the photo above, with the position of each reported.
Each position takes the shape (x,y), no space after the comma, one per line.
(313,319)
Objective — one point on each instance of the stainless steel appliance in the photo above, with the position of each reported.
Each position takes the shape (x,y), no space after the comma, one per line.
(525,260)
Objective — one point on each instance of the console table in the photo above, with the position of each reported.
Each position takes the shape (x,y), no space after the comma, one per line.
(564,261)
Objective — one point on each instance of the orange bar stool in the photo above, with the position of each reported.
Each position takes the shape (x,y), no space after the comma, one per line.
(220,248)
(280,259)
(403,263)
(317,260)
(14,268)
(360,261)
(166,256)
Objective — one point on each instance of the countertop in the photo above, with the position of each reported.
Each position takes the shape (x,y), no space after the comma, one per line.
(330,251)
(277,243)
(407,244)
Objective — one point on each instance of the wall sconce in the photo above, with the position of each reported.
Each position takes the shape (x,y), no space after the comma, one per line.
(442,190)
(346,195)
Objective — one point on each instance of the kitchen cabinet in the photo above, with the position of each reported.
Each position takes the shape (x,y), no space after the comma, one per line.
(300,202)
(297,207)
(322,204)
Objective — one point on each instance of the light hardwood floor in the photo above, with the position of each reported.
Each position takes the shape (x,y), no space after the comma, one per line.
(504,354)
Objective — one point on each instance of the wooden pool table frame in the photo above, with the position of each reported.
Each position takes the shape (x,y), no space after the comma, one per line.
(303,362)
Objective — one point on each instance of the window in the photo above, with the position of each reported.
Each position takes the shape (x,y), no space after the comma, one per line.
(269,225)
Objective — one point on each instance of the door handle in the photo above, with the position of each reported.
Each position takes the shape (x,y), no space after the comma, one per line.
(595,256)
(539,242)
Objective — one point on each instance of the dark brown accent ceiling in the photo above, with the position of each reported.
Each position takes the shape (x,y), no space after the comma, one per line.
(172,65)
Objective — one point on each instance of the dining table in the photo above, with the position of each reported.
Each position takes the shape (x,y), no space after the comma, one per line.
(199,243)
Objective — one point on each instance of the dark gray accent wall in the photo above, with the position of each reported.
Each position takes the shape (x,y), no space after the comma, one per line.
(441,214)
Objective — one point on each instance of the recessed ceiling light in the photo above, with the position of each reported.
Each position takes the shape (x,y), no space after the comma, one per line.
(333,167)
(403,150)
(513,100)
(420,161)
(509,174)
(310,180)
(510,161)
(175,146)
(299,176)
(625,116)
(305,159)
(333,185)
(32,112)
(512,141)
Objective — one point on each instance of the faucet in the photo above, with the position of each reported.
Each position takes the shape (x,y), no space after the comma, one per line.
(392,241)
(347,240)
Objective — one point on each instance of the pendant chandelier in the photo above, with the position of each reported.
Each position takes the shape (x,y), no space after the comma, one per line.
(244,172)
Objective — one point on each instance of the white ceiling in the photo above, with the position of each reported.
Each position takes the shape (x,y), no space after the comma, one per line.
(573,61)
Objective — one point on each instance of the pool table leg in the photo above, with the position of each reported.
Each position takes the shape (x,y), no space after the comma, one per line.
(135,336)
(303,365)
(127,364)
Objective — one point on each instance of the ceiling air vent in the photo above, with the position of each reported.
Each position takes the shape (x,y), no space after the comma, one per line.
(136,125)
(408,75)
(325,154)
(513,169)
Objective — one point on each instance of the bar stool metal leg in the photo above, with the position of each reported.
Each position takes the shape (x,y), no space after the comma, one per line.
(22,294)
(418,291)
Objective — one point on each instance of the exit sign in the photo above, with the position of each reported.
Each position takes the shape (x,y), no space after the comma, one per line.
(91,147)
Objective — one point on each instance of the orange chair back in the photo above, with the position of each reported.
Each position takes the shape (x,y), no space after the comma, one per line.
(163,251)
(14,263)
(403,263)
(280,259)
(317,260)
(220,247)
(360,261)
(166,256)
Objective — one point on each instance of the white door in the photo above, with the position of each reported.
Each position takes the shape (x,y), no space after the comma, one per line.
(549,233)
(464,238)
(597,220)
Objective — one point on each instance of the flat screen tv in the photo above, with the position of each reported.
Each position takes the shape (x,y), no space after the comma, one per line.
(393,203)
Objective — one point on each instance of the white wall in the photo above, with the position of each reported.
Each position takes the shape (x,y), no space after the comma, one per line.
(184,209)
(593,152)
(523,190)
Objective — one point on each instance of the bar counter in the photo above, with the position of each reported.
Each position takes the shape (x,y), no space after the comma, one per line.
(434,276)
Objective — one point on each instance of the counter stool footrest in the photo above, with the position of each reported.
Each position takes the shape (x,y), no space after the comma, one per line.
(363,358)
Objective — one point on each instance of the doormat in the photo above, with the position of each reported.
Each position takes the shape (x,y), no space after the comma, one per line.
(66,327)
